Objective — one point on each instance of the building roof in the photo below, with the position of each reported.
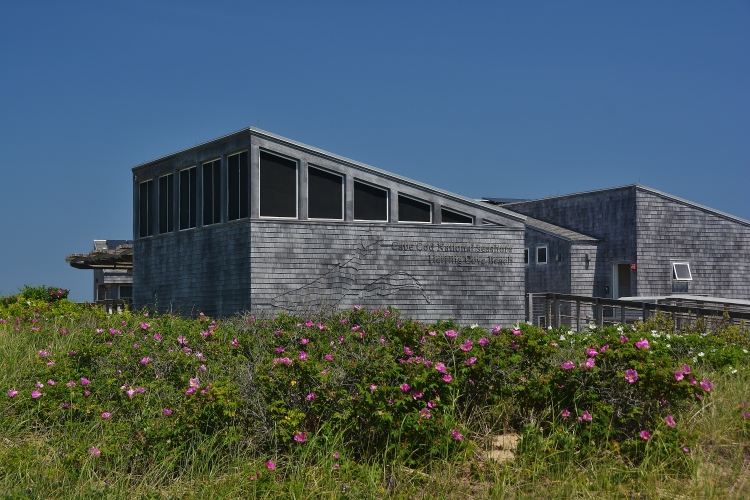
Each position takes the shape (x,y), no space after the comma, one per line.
(647,189)
(107,254)
(351,164)
(560,232)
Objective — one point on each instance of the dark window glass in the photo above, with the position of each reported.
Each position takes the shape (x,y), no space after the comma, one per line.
(126,292)
(451,217)
(278,186)
(211,192)
(411,210)
(237,186)
(541,255)
(525,255)
(324,194)
(370,202)
(166,197)
(144,209)
(682,272)
(187,198)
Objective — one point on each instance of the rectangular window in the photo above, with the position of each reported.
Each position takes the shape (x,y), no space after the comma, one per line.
(166,209)
(413,210)
(144,209)
(278,186)
(126,291)
(211,192)
(325,194)
(541,255)
(681,271)
(370,202)
(188,193)
(452,217)
(526,256)
(237,186)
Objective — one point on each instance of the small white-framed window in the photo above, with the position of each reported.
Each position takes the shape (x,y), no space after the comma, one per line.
(370,202)
(541,254)
(278,186)
(681,271)
(325,194)
(413,209)
(526,256)
(453,217)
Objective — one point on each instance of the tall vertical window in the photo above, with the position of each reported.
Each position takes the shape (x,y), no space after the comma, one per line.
(541,254)
(453,217)
(278,186)
(325,194)
(237,186)
(370,202)
(413,210)
(166,199)
(145,227)
(187,198)
(211,192)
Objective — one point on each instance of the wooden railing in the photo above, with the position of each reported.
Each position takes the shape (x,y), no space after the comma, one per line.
(555,309)
(114,305)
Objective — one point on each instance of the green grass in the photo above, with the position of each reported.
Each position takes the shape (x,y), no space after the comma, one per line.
(43,457)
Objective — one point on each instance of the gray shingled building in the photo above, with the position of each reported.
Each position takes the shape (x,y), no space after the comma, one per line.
(633,241)
(254,221)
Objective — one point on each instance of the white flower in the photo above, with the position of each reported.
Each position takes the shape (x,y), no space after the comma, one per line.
(669,346)
(734,371)
(744,350)
(655,335)
(562,337)
(701,354)
(474,326)
(695,360)
(669,336)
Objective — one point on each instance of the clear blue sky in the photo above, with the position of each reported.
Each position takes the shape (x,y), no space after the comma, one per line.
(501,98)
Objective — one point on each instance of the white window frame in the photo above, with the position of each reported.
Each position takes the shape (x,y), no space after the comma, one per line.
(431,205)
(387,201)
(674,271)
(473,220)
(546,255)
(343,191)
(296,185)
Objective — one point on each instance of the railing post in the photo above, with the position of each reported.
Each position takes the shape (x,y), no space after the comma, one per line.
(644,312)
(599,313)
(557,312)
(578,315)
(548,310)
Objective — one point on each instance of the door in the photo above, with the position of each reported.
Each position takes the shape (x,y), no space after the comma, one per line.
(621,281)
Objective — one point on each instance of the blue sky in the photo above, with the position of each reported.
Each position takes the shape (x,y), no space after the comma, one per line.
(505,99)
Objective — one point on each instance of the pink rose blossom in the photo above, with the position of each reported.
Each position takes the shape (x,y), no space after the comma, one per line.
(483,341)
(94,451)
(70,384)
(235,343)
(167,411)
(440,367)
(604,348)
(642,344)
(12,393)
(565,414)
(585,416)
(85,381)
(404,387)
(407,351)
(670,421)
(425,413)
(302,355)
(568,365)
(451,334)
(591,352)
(329,357)
(447,378)
(496,330)
(106,415)
(457,435)
(516,332)
(706,385)
(39,385)
(631,376)
(623,339)
(270,465)
(466,346)
(51,382)
(304,341)
(300,437)
(311,396)
(645,435)
(679,375)
(471,361)
(685,369)
(432,334)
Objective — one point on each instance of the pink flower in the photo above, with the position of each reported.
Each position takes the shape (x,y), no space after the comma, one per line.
(356,328)
(190,391)
(451,334)
(309,323)
(568,365)
(466,346)
(279,349)
(329,357)
(642,344)
(311,396)
(39,385)
(706,385)
(407,351)
(195,382)
(106,415)
(130,392)
(631,376)
(591,352)
(140,389)
(235,343)
(304,341)
(685,369)
(431,404)
(344,321)
(440,367)
(425,413)
(483,341)
(300,437)
(744,413)
(181,340)
(404,387)
(302,355)
(496,330)
(516,332)
(167,411)
(471,361)
(565,414)
(670,420)
(44,354)
(51,382)
(447,378)
(692,381)
(585,416)
(604,348)
(382,340)
(432,334)
(679,375)
(12,393)
(85,381)
(457,435)
(589,363)
(94,451)
(645,435)
(373,387)
(145,326)
(623,339)
(157,336)
(202,368)
(206,334)
(70,384)
(87,393)
(270,465)
(685,449)
(416,395)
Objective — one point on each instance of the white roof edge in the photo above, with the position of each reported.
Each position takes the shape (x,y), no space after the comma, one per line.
(352,163)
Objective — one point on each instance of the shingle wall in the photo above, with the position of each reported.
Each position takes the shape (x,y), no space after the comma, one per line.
(717,249)
(554,276)
(426,271)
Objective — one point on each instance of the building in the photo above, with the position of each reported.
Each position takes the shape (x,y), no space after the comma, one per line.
(112,262)
(633,241)
(254,221)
